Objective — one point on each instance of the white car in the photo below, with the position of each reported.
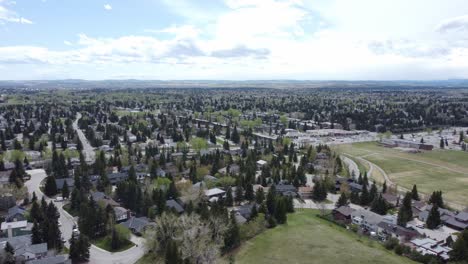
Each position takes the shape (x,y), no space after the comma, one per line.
(59,199)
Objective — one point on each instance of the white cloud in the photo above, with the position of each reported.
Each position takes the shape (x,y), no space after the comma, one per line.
(7,15)
(180,32)
(255,39)
(107,7)
(68,43)
(459,23)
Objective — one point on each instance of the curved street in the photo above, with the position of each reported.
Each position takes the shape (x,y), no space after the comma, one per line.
(97,255)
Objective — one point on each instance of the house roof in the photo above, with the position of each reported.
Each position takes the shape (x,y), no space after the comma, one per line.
(34,249)
(59,259)
(245,210)
(397,230)
(17,241)
(213,192)
(462,216)
(175,205)
(17,224)
(137,223)
(118,210)
(452,221)
(70,182)
(345,210)
(368,216)
(15,210)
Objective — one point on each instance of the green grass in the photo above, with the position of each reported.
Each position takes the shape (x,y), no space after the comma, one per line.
(445,170)
(307,238)
(105,243)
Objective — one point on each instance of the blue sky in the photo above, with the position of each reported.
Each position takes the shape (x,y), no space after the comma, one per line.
(234,39)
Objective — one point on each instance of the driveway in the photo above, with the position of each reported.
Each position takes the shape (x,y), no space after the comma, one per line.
(97,255)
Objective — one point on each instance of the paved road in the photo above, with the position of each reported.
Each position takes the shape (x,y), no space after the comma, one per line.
(97,255)
(88,150)
(352,166)
(310,204)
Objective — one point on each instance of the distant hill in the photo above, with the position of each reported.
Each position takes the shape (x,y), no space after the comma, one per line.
(277,84)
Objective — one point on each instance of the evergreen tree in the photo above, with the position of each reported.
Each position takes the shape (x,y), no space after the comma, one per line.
(460,247)
(50,188)
(65,191)
(414,193)
(373,192)
(249,192)
(433,220)
(79,249)
(259,196)
(239,197)
(235,136)
(384,187)
(172,255)
(281,210)
(270,200)
(379,205)
(36,234)
(232,238)
(342,201)
(54,236)
(436,198)
(405,214)
(229,200)
(365,197)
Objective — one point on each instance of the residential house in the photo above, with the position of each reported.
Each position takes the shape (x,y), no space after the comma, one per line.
(458,222)
(366,219)
(214,193)
(261,163)
(286,190)
(17,228)
(305,192)
(175,206)
(101,197)
(121,214)
(342,214)
(428,246)
(7,201)
(391,199)
(115,178)
(386,230)
(69,181)
(23,248)
(59,259)
(138,225)
(15,213)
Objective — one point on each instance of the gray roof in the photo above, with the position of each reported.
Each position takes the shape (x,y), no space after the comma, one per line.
(137,224)
(117,177)
(397,230)
(17,242)
(34,249)
(462,216)
(368,216)
(59,259)
(13,212)
(245,210)
(345,210)
(70,182)
(173,204)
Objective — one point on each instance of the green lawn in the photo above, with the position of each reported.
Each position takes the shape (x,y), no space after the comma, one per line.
(105,243)
(309,239)
(445,170)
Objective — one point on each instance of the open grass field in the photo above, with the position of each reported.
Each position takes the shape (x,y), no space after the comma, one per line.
(445,170)
(309,239)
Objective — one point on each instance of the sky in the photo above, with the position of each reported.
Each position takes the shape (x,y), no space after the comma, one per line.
(234,39)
